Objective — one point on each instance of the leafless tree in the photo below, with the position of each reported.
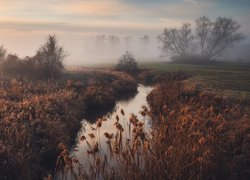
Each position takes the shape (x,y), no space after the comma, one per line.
(145,39)
(203,28)
(213,38)
(127,41)
(177,41)
(100,41)
(223,35)
(113,40)
(50,57)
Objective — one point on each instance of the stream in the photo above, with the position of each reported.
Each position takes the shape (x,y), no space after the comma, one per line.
(132,105)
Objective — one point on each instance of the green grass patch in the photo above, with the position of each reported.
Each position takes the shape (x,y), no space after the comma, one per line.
(232,78)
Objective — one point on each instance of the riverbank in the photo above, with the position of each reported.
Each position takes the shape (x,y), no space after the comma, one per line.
(36,116)
(200,135)
(193,134)
(227,79)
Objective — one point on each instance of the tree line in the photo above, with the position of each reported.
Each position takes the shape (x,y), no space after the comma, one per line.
(210,40)
(46,63)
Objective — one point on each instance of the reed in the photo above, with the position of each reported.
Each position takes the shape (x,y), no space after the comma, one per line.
(197,136)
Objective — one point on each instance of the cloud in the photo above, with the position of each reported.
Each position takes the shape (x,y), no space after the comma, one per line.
(106,15)
(190,1)
(92,8)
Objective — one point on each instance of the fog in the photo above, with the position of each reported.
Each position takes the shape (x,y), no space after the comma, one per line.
(105,48)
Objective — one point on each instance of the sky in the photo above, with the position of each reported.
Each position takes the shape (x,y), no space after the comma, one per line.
(25,24)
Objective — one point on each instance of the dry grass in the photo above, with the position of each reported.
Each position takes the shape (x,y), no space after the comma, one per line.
(35,116)
(193,136)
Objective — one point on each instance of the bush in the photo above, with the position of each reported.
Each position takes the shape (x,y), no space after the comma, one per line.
(50,57)
(2,53)
(127,63)
(26,67)
(14,65)
(47,63)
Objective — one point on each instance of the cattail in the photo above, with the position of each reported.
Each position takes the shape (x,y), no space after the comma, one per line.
(119,126)
(140,124)
(99,123)
(61,146)
(92,135)
(117,118)
(104,119)
(75,161)
(82,138)
(122,112)
(109,136)
(143,113)
(93,129)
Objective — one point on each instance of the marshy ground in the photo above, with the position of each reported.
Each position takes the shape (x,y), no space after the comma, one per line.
(196,132)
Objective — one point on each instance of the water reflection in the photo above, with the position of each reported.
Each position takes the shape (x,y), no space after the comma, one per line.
(129,106)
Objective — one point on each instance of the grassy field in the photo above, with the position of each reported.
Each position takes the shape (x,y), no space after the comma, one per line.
(227,78)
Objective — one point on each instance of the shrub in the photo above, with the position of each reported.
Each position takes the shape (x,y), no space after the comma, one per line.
(47,63)
(12,64)
(50,57)
(127,63)
(2,53)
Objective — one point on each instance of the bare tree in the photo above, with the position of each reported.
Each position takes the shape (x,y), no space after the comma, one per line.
(50,57)
(223,35)
(177,41)
(145,39)
(212,37)
(203,28)
(2,53)
(127,63)
(113,40)
(100,41)
(127,41)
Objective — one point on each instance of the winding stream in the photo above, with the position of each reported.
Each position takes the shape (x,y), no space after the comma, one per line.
(133,105)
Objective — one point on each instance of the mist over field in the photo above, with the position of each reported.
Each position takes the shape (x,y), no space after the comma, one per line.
(88,50)
(24,26)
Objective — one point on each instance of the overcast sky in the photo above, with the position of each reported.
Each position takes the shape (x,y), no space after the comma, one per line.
(24,24)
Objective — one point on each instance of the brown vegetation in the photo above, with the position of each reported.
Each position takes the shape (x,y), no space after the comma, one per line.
(46,64)
(151,77)
(193,136)
(208,135)
(35,116)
